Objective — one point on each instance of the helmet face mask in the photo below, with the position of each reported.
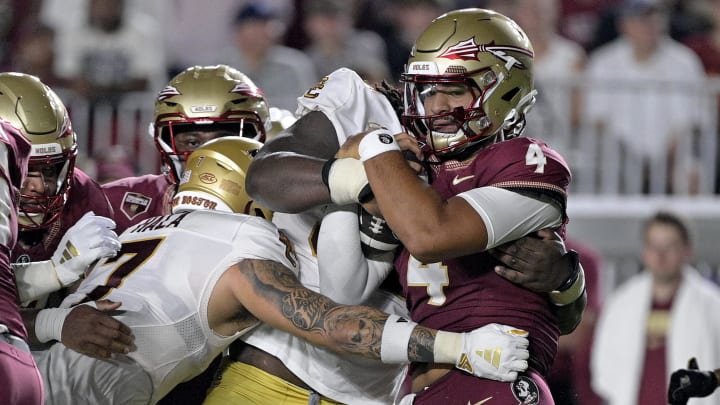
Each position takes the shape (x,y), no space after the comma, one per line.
(42,118)
(214,178)
(210,101)
(39,211)
(487,53)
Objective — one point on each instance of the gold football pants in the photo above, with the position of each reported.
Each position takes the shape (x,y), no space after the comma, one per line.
(241,383)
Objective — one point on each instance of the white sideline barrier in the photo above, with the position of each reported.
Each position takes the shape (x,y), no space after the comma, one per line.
(612,225)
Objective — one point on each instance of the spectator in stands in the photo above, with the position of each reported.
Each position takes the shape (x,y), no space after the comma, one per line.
(107,56)
(582,20)
(401,23)
(36,55)
(639,100)
(16,16)
(658,319)
(335,43)
(556,113)
(283,73)
(191,47)
(706,45)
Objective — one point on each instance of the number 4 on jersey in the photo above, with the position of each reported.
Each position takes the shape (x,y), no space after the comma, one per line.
(535,156)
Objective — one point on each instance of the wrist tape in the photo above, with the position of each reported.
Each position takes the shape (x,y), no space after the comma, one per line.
(375,143)
(448,347)
(49,323)
(395,339)
(345,179)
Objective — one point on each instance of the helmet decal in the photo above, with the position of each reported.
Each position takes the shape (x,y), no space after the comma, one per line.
(244,88)
(468,50)
(168,92)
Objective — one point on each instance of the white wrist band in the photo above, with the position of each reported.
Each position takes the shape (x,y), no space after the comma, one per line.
(395,339)
(346,180)
(447,348)
(49,323)
(375,143)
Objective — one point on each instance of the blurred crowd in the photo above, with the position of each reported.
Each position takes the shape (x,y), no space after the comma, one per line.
(100,50)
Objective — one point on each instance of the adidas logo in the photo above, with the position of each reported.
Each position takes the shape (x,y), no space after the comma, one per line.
(492,356)
(69,252)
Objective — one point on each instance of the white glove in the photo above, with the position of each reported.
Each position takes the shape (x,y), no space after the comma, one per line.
(497,352)
(90,239)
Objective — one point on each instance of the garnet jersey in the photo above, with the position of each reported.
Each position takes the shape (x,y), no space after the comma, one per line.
(164,276)
(14,153)
(85,195)
(464,293)
(137,198)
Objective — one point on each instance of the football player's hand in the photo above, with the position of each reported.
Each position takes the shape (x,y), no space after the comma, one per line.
(534,262)
(90,239)
(690,383)
(95,333)
(494,351)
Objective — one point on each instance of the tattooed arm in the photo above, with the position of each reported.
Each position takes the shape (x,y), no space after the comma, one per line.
(271,293)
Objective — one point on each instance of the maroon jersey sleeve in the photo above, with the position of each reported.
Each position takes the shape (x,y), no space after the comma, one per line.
(137,198)
(18,153)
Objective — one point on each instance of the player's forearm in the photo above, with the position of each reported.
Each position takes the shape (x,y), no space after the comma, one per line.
(411,208)
(345,274)
(569,316)
(287,182)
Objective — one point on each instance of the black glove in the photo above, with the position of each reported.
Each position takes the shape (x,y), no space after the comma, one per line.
(690,383)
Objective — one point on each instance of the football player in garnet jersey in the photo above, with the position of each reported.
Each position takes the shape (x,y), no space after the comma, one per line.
(63,224)
(19,378)
(468,86)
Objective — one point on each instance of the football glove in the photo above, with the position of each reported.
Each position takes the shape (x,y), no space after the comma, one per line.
(690,383)
(90,239)
(494,351)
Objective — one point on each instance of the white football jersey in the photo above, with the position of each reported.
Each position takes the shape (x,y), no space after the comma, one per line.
(164,276)
(352,106)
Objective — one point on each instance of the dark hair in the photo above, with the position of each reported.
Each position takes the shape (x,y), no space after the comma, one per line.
(671,219)
(393,95)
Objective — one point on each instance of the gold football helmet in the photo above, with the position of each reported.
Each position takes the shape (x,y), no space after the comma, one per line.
(214,178)
(37,111)
(489,54)
(207,98)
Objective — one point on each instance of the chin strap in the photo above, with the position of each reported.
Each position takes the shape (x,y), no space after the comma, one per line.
(514,123)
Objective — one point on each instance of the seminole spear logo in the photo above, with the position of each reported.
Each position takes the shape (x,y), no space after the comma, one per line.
(469,50)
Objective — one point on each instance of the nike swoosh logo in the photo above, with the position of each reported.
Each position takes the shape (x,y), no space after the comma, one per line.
(481,402)
(457,180)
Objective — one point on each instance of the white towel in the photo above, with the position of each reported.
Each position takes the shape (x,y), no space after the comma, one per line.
(619,346)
